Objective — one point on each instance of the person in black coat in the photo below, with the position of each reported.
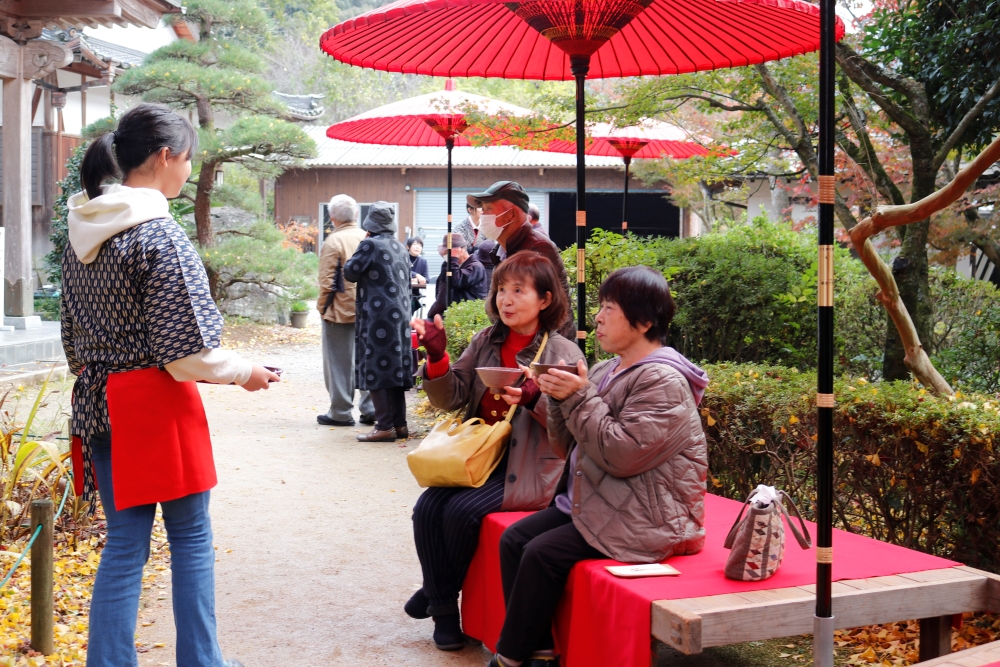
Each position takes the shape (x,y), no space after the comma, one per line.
(419,272)
(485,254)
(383,367)
(468,277)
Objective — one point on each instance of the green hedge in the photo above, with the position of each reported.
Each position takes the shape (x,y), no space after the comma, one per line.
(463,320)
(911,468)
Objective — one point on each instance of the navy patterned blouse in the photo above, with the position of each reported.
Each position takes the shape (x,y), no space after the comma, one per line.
(143,303)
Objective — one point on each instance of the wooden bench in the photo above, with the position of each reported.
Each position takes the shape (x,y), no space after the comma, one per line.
(933,596)
(987,655)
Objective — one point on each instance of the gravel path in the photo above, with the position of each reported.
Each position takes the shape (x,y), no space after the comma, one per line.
(313,534)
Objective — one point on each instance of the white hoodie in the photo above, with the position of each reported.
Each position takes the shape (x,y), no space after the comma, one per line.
(91,222)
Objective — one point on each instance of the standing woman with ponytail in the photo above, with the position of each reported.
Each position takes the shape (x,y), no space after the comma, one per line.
(139,327)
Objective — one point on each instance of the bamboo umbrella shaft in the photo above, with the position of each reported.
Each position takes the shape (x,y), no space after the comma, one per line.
(581,65)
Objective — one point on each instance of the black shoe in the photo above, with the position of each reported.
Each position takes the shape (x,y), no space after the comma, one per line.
(367,419)
(448,634)
(416,606)
(402,432)
(326,421)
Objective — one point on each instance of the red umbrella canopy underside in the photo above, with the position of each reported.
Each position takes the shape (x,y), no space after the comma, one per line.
(486,38)
(425,120)
(649,139)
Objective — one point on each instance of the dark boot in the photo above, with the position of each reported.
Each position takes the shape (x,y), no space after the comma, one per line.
(448,634)
(416,606)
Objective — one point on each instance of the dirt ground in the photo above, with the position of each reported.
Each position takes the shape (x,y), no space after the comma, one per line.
(313,534)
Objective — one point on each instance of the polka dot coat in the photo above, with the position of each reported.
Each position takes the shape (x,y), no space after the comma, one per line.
(383,358)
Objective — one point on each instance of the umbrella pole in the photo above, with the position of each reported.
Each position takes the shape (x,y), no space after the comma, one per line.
(449,144)
(628,161)
(824,622)
(580,65)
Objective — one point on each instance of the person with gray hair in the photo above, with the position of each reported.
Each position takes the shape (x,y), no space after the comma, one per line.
(336,307)
(535,216)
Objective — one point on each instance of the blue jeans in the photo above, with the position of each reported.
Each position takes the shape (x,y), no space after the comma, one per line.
(114,607)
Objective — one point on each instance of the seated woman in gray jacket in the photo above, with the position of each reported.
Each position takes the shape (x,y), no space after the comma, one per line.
(635,486)
(530,305)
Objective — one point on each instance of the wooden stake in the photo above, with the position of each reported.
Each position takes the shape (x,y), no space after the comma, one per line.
(42,612)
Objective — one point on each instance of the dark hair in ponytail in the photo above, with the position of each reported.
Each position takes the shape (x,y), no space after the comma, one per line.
(142,131)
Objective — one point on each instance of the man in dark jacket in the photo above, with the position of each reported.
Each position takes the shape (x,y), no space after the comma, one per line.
(381,269)
(468,276)
(505,220)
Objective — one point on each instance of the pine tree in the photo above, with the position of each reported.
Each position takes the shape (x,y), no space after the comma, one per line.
(220,73)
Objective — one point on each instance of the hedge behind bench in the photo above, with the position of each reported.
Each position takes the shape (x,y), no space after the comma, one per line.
(911,468)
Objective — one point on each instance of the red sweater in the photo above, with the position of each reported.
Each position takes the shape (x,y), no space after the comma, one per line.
(492,408)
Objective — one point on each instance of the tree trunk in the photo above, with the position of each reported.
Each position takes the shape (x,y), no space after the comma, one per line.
(910,269)
(203,205)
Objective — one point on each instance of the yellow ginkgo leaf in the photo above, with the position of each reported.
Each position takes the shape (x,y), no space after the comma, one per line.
(711,422)
(793,420)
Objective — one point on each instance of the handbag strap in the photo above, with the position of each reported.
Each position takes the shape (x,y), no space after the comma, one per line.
(731,537)
(538,355)
(806,541)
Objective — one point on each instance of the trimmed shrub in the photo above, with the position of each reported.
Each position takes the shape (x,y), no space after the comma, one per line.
(462,321)
(911,468)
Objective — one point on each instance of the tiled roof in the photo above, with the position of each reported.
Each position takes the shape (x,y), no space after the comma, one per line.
(333,153)
(122,56)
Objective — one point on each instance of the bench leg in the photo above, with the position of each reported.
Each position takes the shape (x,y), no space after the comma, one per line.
(935,637)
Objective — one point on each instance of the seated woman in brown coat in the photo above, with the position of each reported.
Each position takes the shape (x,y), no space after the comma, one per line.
(635,487)
(530,305)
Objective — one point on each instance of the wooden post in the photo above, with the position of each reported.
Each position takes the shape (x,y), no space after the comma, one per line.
(42,612)
(935,637)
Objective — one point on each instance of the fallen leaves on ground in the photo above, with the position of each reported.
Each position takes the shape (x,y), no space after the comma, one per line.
(240,333)
(74,566)
(895,644)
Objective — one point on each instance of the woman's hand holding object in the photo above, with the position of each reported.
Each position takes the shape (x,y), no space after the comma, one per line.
(432,336)
(260,377)
(560,385)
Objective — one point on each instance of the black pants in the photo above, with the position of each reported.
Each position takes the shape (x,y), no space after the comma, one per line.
(390,408)
(536,556)
(446,525)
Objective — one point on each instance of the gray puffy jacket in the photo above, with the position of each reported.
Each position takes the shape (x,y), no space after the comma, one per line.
(639,481)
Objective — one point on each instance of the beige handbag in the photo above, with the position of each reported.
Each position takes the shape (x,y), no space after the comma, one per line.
(457,453)
(757,544)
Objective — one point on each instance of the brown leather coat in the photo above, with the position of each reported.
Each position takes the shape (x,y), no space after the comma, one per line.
(639,482)
(533,469)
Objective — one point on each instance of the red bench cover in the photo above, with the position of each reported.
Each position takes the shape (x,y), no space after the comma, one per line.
(603,620)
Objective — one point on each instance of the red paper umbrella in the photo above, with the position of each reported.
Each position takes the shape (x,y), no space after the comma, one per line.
(434,119)
(647,140)
(574,39)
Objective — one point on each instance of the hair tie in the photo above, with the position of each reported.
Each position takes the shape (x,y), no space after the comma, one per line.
(114,133)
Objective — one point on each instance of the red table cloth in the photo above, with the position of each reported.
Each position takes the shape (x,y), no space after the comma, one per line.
(604,620)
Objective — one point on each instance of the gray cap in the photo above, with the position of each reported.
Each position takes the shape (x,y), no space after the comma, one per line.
(509,190)
(457,241)
(380,219)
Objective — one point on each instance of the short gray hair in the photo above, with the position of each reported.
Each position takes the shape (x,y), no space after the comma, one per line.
(533,212)
(343,209)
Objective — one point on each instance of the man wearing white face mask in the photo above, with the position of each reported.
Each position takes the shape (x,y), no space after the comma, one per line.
(505,220)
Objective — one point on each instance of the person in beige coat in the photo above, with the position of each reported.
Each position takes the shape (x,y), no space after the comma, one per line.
(635,486)
(529,304)
(336,306)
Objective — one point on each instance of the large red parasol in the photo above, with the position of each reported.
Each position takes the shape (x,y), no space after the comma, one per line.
(574,39)
(434,119)
(647,140)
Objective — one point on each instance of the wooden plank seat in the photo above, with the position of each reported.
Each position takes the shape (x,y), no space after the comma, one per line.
(987,655)
(692,624)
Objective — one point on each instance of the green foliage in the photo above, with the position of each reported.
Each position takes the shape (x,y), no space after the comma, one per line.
(462,321)
(60,232)
(257,256)
(299,306)
(951,48)
(966,347)
(744,295)
(911,468)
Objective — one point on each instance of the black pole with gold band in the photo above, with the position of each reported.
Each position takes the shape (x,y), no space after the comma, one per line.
(580,65)
(628,161)
(449,144)
(824,622)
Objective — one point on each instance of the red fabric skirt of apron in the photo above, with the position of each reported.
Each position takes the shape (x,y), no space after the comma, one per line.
(161,447)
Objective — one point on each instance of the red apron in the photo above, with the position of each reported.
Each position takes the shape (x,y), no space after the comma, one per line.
(162,448)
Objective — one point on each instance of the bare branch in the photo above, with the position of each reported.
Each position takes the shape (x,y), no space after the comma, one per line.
(867,76)
(964,124)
